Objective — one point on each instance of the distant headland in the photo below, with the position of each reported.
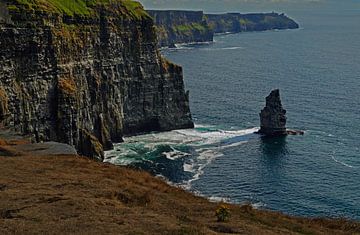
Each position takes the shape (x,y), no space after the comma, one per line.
(176,26)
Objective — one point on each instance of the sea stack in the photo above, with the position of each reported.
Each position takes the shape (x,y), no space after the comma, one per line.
(272,117)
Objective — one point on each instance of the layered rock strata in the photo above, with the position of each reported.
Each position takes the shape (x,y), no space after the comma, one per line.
(181,27)
(272,117)
(174,26)
(87,78)
(236,22)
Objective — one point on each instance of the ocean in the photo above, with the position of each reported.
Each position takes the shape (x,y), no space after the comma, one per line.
(317,69)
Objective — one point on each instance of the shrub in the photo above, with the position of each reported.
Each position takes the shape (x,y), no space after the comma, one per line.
(222,213)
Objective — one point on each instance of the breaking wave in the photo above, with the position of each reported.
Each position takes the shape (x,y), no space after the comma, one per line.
(180,156)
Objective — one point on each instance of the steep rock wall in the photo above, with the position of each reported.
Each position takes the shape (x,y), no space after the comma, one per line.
(181,27)
(87,80)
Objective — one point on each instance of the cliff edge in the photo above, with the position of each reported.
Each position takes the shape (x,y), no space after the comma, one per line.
(86,73)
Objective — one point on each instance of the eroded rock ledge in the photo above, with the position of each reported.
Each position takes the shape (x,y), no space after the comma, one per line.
(86,79)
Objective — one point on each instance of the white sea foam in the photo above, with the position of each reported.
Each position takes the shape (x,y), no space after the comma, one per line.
(188,167)
(222,48)
(219,199)
(121,161)
(342,163)
(175,154)
(188,46)
(207,142)
(212,137)
(258,205)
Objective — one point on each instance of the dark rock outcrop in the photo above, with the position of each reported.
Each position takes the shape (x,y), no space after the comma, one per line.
(174,26)
(87,80)
(272,117)
(4,14)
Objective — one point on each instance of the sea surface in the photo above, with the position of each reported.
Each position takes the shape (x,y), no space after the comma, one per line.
(317,69)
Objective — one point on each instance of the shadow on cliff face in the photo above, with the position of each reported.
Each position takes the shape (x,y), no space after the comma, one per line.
(273,147)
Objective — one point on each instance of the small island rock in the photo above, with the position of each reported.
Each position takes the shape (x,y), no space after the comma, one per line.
(272,117)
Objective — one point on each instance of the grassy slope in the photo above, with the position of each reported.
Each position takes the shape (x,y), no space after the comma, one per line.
(69,194)
(79,7)
(189,28)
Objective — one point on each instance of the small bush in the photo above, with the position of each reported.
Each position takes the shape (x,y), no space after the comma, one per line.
(222,213)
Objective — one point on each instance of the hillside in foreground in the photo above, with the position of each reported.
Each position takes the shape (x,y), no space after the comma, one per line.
(75,195)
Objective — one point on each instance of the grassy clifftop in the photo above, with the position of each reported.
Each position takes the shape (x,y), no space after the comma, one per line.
(77,7)
(74,195)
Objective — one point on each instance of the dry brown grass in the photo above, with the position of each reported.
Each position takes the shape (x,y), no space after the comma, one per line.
(67,85)
(74,195)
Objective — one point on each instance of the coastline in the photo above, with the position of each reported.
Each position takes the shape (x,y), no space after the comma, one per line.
(58,193)
(72,194)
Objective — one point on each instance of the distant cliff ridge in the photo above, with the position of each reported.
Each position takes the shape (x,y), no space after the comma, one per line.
(175,26)
(86,74)
(181,27)
(236,22)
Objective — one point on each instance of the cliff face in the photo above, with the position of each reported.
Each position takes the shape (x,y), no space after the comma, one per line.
(88,79)
(4,15)
(194,26)
(236,22)
(181,27)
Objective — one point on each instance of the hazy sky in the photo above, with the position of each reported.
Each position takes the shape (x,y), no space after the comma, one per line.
(251,5)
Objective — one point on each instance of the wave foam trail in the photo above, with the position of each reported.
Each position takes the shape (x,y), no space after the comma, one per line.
(213,136)
(192,149)
(219,199)
(342,163)
(222,48)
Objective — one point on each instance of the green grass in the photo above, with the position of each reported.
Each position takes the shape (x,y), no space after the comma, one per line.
(135,9)
(190,27)
(80,7)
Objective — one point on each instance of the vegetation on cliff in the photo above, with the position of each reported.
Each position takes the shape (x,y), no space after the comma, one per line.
(236,22)
(175,26)
(188,28)
(78,7)
(181,27)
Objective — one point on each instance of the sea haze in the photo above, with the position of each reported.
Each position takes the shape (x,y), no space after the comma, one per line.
(317,71)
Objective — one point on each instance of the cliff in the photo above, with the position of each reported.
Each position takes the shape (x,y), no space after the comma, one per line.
(176,26)
(236,22)
(181,27)
(86,73)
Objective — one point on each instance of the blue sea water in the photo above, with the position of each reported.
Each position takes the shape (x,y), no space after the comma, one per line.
(317,69)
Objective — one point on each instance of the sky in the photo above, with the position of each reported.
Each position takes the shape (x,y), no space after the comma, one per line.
(251,5)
